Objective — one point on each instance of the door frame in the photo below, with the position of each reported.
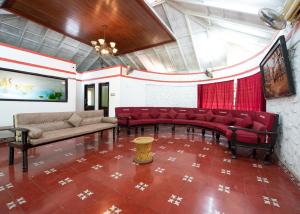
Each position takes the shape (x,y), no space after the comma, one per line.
(85,106)
(106,111)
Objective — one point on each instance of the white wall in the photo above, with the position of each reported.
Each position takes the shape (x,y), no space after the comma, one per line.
(12,58)
(288,147)
(110,75)
(147,93)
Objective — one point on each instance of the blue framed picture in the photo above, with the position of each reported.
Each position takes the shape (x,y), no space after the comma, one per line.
(23,86)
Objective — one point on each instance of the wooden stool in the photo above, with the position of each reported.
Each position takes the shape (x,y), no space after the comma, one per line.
(143,147)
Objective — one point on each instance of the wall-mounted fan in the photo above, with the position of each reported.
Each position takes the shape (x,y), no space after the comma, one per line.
(272,18)
(208,73)
(129,70)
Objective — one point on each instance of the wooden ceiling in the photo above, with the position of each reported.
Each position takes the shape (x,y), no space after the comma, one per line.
(131,23)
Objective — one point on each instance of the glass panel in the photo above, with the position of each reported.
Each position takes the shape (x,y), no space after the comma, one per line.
(91,96)
(104,96)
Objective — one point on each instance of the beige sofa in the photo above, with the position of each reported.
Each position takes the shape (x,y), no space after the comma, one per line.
(36,129)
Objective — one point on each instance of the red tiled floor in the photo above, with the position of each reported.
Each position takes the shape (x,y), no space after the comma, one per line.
(189,174)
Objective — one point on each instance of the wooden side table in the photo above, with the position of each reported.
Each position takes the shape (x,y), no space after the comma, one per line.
(143,147)
(7,138)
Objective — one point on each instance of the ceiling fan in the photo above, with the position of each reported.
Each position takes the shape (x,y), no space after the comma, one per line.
(272,18)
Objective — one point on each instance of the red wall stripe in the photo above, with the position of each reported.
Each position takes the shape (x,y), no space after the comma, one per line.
(168,81)
(34,65)
(37,53)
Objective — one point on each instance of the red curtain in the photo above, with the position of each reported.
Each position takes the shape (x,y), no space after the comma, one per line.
(249,95)
(216,95)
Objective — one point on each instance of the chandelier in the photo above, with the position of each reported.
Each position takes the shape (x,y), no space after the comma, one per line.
(102,47)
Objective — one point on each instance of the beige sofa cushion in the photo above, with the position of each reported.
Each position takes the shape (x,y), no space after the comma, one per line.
(90,120)
(75,120)
(109,120)
(35,133)
(70,132)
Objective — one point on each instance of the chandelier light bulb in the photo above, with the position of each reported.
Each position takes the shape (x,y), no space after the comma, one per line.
(101,41)
(112,44)
(115,50)
(94,43)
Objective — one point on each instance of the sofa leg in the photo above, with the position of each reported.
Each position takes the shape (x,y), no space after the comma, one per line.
(188,129)
(203,132)
(253,155)
(173,128)
(128,130)
(25,160)
(193,130)
(118,130)
(11,155)
(229,144)
(267,159)
(233,152)
(217,137)
(142,130)
(114,133)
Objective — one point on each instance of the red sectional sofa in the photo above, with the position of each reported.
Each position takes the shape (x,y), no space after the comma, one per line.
(257,130)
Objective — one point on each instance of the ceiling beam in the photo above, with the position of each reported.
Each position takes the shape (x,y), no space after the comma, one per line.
(132,60)
(105,60)
(218,18)
(93,62)
(120,58)
(193,41)
(85,57)
(159,58)
(22,34)
(60,44)
(170,58)
(178,43)
(43,39)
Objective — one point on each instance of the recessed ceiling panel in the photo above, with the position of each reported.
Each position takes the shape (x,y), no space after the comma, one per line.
(131,24)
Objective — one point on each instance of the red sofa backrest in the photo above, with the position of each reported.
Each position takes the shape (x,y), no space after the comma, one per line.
(265,118)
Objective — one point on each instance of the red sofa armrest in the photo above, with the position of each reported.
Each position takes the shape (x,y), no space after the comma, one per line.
(234,129)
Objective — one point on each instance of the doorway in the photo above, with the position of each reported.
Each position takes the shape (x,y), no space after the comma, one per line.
(89,97)
(104,98)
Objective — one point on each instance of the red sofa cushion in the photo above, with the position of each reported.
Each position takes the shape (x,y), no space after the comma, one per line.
(124,115)
(172,114)
(219,119)
(135,115)
(145,115)
(142,122)
(243,122)
(154,114)
(209,117)
(259,126)
(201,117)
(243,136)
(191,116)
(221,127)
(205,124)
(164,120)
(182,116)
(182,121)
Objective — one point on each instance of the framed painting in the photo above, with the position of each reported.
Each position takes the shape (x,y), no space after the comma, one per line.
(23,86)
(276,71)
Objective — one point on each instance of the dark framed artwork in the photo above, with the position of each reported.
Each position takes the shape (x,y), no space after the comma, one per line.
(276,71)
(23,86)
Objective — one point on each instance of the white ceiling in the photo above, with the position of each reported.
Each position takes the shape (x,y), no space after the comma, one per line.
(209,33)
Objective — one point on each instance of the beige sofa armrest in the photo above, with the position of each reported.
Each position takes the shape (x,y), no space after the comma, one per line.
(109,120)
